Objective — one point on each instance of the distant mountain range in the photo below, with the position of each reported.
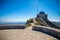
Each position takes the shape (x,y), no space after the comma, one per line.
(2,23)
(56,23)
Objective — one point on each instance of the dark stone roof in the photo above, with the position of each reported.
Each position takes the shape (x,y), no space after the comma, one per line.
(41,12)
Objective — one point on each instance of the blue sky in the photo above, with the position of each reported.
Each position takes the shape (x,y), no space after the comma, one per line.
(21,10)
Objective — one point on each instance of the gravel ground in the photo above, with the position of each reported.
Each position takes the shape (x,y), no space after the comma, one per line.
(24,34)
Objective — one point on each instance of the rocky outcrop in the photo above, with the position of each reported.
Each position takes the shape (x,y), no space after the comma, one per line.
(42,20)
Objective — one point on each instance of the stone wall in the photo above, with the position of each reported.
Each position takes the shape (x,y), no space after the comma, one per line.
(12,27)
(50,31)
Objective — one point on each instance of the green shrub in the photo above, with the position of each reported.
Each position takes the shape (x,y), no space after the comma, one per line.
(28,24)
(29,21)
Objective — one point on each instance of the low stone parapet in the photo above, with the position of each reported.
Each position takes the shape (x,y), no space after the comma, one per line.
(12,27)
(48,30)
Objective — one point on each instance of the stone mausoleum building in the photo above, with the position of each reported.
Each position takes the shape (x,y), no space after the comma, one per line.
(42,15)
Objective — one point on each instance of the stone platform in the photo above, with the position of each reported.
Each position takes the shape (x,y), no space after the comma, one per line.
(24,34)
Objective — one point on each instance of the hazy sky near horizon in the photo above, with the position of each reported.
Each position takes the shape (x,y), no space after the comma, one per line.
(21,10)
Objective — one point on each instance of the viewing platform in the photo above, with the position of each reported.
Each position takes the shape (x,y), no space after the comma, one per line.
(26,34)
